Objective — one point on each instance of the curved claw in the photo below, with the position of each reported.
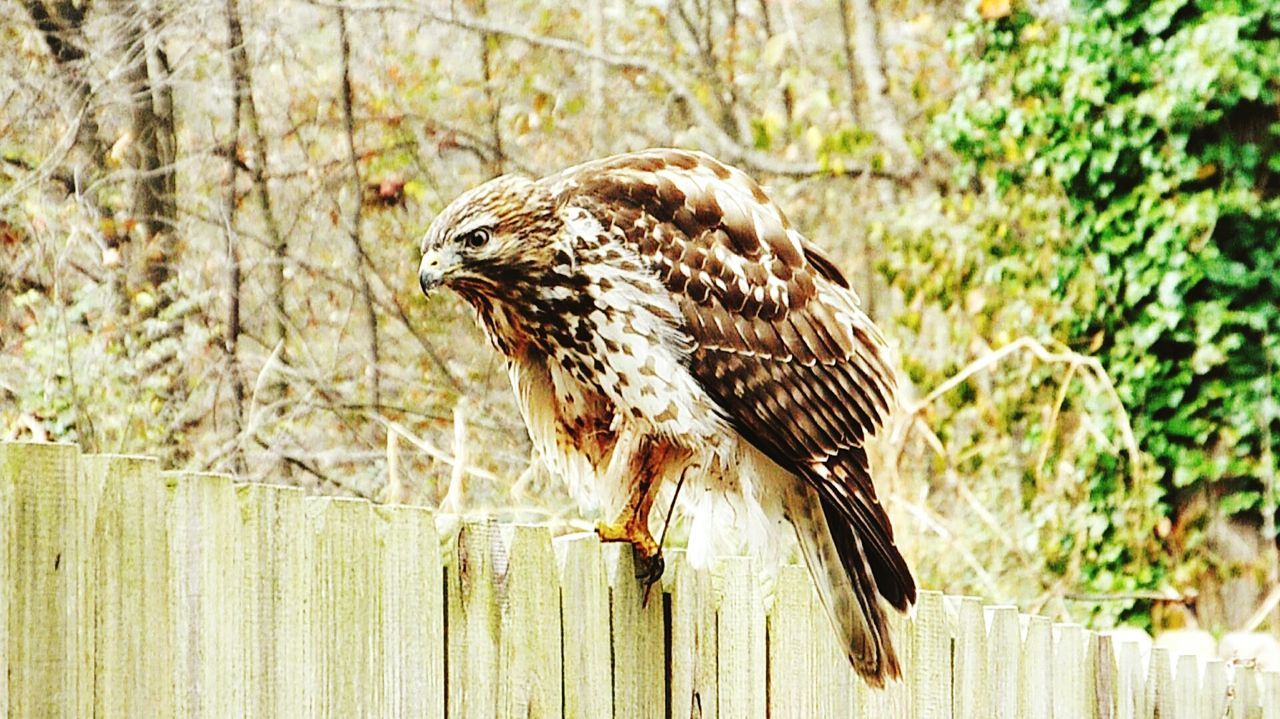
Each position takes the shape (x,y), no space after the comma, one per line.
(649,569)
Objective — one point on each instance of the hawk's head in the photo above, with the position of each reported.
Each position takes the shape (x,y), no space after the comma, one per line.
(491,240)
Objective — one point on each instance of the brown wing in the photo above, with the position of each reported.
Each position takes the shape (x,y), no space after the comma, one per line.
(780,342)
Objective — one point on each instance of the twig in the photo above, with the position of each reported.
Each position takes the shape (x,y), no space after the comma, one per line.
(1259,616)
(1045,444)
(396,489)
(231,341)
(453,498)
(923,516)
(434,452)
(1044,355)
(1167,596)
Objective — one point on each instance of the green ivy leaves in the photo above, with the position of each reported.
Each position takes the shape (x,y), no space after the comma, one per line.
(1161,124)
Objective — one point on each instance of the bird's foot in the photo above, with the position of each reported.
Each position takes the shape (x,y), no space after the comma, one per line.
(648,570)
(645,552)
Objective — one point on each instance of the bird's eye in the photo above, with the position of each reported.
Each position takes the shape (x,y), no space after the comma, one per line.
(476,237)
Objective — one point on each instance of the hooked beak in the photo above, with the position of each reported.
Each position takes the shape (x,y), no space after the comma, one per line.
(435,266)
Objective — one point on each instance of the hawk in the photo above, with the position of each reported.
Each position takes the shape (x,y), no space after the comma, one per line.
(663,323)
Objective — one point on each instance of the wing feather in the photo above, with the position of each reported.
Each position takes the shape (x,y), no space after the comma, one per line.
(779,339)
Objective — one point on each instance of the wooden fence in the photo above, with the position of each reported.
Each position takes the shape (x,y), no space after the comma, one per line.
(135,593)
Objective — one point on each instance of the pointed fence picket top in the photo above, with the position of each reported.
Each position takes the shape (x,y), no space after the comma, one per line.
(127,591)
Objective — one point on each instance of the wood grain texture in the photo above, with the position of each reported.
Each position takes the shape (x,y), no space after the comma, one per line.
(135,593)
(1004,654)
(930,672)
(8,581)
(342,609)
(695,646)
(412,613)
(1036,681)
(206,583)
(1102,676)
(639,642)
(1131,684)
(50,653)
(1160,687)
(1070,672)
(132,625)
(275,554)
(584,607)
(529,644)
(971,698)
(740,641)
(475,621)
(1214,692)
(795,647)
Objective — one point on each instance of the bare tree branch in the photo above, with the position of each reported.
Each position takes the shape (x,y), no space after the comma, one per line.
(231,343)
(729,148)
(357,210)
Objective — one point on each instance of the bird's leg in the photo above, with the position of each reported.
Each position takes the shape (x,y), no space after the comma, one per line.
(647,466)
(632,526)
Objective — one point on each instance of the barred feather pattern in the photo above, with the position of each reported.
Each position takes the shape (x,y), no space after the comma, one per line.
(663,294)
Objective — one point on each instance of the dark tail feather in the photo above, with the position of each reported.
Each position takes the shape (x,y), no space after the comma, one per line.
(846,586)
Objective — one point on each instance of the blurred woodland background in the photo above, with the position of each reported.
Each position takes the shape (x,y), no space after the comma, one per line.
(1065,216)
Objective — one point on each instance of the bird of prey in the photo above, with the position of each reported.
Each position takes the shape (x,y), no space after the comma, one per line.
(662,322)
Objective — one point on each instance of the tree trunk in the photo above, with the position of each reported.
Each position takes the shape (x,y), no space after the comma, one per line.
(231,338)
(151,119)
(862,48)
(498,162)
(357,212)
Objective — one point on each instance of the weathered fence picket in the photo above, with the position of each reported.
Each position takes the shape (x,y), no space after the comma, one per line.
(692,670)
(50,625)
(125,591)
(274,592)
(130,588)
(413,640)
(639,641)
(584,616)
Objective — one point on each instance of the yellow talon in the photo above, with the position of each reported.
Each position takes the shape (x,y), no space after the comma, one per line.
(631,531)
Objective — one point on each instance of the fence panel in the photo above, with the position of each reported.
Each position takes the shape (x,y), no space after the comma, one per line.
(412,621)
(1036,682)
(7,574)
(1213,702)
(206,581)
(929,674)
(1102,682)
(639,642)
(1068,669)
(274,555)
(793,649)
(530,675)
(694,643)
(342,617)
(1004,654)
(474,621)
(740,641)
(584,607)
(1131,683)
(129,592)
(971,698)
(50,646)
(132,630)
